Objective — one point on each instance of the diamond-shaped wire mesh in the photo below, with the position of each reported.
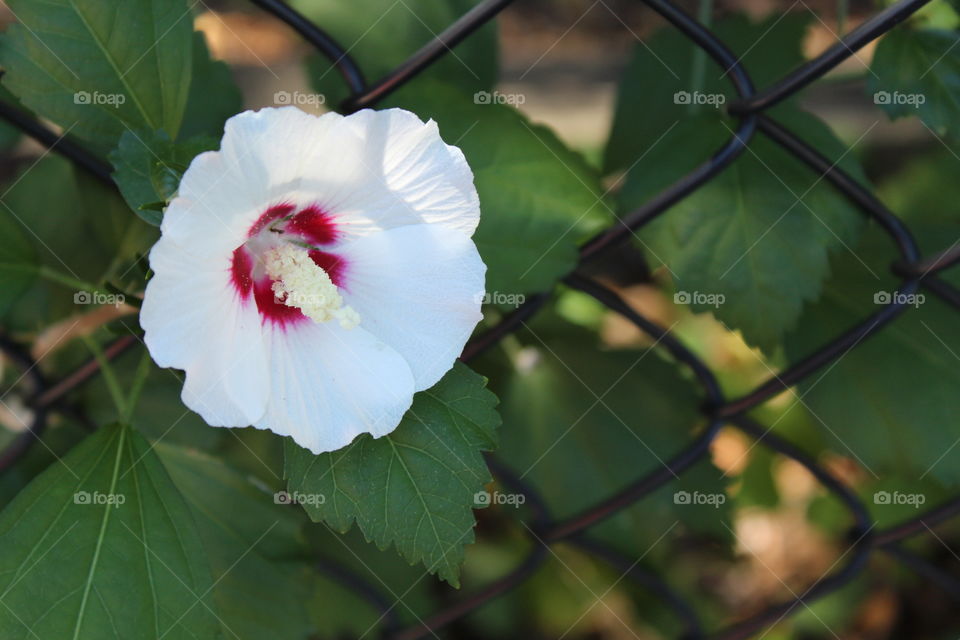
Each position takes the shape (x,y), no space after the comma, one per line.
(750,109)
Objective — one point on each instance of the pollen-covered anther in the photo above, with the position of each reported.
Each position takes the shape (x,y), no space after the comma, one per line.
(299,282)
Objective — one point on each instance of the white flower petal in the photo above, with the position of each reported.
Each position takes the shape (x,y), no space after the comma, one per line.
(423,178)
(329,385)
(262,158)
(419,289)
(213,221)
(193,320)
(274,149)
(371,170)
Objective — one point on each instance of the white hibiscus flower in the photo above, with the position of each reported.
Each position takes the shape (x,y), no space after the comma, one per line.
(316,272)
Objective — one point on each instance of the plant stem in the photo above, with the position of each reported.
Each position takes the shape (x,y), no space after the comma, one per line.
(69,281)
(139,378)
(109,377)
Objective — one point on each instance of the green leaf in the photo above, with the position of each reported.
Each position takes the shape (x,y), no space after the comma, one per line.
(927,184)
(18,259)
(381,34)
(339,612)
(52,236)
(528,234)
(415,487)
(917,73)
(53,220)
(336,610)
(159,415)
(97,68)
(148,167)
(647,101)
(751,245)
(9,134)
(245,534)
(582,422)
(59,438)
(102,545)
(888,402)
(214,96)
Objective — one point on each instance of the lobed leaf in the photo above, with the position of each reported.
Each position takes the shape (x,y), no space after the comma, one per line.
(101,545)
(415,487)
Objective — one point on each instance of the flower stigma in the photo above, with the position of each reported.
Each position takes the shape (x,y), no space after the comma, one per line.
(299,282)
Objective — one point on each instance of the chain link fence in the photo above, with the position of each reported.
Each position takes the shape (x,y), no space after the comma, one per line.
(750,109)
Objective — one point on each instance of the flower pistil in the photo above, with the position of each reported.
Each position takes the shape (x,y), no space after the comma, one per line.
(299,282)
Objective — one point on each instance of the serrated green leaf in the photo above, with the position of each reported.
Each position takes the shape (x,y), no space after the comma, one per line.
(889,402)
(916,72)
(751,245)
(648,104)
(415,487)
(385,33)
(538,199)
(148,167)
(97,68)
(103,546)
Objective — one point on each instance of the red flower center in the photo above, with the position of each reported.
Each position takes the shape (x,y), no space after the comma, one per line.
(311,226)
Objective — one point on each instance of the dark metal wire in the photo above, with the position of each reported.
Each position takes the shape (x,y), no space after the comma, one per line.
(441,44)
(56,142)
(340,57)
(717,411)
(819,66)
